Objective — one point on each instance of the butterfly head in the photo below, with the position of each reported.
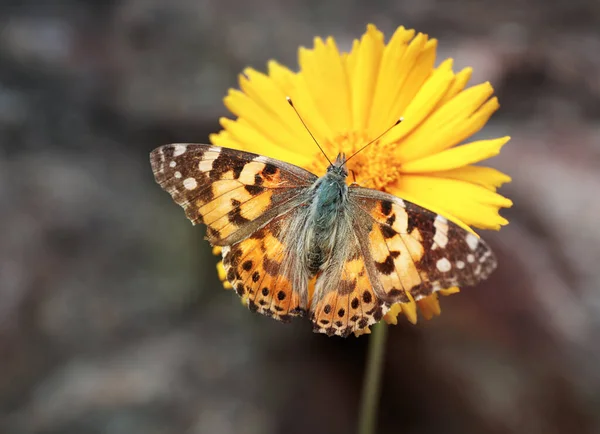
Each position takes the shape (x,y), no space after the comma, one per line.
(339,166)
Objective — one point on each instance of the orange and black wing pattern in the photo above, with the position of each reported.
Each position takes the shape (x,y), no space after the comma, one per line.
(412,252)
(233,193)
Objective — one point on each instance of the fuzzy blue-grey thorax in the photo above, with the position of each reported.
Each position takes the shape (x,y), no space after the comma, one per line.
(329,201)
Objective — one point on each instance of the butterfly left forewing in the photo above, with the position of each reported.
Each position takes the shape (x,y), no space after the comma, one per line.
(233,192)
(413,250)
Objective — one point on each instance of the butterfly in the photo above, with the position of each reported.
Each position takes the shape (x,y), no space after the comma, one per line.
(296,244)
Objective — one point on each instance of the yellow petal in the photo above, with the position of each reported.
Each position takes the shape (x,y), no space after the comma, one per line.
(252,140)
(430,306)
(327,83)
(389,81)
(419,108)
(368,57)
(267,122)
(308,110)
(223,276)
(392,105)
(225,140)
(221,272)
(282,76)
(469,203)
(487,177)
(391,317)
(456,157)
(410,311)
(449,125)
(459,83)
(450,291)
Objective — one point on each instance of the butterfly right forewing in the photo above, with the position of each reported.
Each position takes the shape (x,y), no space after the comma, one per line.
(413,252)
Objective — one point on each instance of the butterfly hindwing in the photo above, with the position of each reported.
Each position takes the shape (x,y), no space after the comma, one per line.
(414,250)
(343,300)
(233,192)
(256,268)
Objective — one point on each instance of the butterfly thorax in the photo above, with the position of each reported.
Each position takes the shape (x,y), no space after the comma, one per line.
(329,201)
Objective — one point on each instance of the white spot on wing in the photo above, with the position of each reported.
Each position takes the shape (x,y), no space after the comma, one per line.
(485,256)
(472,241)
(460,265)
(177,175)
(205,165)
(443,265)
(179,150)
(441,232)
(470,258)
(172,164)
(190,183)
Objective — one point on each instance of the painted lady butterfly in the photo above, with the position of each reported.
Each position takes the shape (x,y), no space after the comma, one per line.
(280,226)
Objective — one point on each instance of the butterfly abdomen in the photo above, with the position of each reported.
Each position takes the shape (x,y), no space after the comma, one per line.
(330,199)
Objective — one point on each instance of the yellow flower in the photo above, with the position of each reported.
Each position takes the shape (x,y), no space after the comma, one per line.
(348,99)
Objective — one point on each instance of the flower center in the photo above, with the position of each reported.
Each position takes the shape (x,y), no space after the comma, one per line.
(373,167)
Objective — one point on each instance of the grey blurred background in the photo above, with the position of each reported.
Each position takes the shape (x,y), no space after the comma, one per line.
(111,316)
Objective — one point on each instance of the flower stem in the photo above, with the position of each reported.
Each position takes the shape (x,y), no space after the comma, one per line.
(372,381)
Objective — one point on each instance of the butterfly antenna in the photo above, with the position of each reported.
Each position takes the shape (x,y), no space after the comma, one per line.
(375,139)
(289,100)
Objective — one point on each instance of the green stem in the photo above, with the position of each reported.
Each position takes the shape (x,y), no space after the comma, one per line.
(372,381)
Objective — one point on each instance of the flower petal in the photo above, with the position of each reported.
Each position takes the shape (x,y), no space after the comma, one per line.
(389,108)
(264,120)
(469,203)
(449,125)
(487,177)
(430,306)
(327,84)
(456,157)
(419,108)
(223,275)
(450,291)
(250,139)
(459,83)
(391,317)
(282,76)
(366,69)
(389,81)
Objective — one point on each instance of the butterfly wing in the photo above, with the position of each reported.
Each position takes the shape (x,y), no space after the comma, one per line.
(410,250)
(344,301)
(234,193)
(263,270)
(246,202)
(389,251)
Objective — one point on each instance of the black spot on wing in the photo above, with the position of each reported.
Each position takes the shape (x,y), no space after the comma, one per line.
(387,231)
(235,216)
(386,267)
(269,170)
(386,207)
(254,189)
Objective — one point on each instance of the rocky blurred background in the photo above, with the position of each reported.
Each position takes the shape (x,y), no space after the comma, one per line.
(111,316)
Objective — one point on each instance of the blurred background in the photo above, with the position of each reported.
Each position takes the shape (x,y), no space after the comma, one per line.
(111,316)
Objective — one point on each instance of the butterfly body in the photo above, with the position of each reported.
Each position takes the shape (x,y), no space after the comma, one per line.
(326,219)
(294,243)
